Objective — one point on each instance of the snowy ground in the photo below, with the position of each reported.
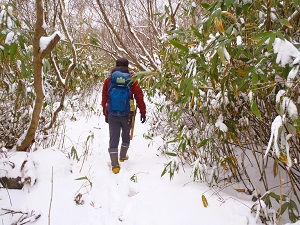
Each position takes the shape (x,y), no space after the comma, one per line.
(138,195)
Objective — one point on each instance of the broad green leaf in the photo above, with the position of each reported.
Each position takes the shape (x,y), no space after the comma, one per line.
(283,207)
(254,79)
(286,71)
(196,32)
(280,35)
(277,197)
(246,9)
(221,55)
(238,10)
(255,109)
(245,81)
(205,5)
(285,22)
(229,2)
(271,41)
(293,205)
(179,46)
(265,37)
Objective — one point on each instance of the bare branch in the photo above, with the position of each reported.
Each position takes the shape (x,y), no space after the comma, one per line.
(69,71)
(135,38)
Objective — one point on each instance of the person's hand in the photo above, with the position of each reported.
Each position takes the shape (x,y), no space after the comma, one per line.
(105,112)
(106,119)
(143,118)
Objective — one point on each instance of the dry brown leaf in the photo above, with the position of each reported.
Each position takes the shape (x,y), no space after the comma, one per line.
(204,201)
(219,25)
(241,190)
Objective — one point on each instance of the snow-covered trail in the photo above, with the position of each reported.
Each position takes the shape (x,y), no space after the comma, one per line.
(138,195)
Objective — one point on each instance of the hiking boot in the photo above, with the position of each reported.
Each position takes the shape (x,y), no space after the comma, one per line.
(115,169)
(114,161)
(124,158)
(123,152)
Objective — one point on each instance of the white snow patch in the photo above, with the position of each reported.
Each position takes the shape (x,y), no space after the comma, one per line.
(276,124)
(219,124)
(239,40)
(285,51)
(44,42)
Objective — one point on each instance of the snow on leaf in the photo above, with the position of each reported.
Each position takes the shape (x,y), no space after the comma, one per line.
(290,106)
(222,126)
(285,51)
(276,124)
(279,95)
(292,74)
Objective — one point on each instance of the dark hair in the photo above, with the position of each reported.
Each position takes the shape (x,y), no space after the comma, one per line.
(122,62)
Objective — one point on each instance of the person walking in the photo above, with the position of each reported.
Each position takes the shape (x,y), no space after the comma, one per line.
(118,95)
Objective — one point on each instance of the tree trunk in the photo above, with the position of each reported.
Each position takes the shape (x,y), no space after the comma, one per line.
(37,74)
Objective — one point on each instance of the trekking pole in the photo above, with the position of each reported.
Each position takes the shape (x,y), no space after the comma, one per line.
(132,124)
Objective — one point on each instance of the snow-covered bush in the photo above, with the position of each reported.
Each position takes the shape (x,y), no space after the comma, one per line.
(17,93)
(232,100)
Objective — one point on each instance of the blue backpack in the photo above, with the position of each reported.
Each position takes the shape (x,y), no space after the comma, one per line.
(119,94)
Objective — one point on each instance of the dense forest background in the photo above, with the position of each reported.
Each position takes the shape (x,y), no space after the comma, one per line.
(224,76)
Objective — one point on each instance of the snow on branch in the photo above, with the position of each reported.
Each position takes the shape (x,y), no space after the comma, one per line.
(48,43)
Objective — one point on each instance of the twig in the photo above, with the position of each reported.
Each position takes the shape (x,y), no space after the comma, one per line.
(49,213)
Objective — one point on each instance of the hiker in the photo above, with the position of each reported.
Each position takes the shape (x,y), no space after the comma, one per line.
(119,110)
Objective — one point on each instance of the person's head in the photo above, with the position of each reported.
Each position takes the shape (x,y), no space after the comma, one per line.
(122,62)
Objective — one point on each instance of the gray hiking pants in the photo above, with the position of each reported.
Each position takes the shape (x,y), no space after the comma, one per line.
(117,126)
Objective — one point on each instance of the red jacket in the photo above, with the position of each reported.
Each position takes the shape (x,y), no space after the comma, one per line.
(135,90)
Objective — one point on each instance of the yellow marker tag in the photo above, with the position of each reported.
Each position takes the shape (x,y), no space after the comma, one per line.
(132,107)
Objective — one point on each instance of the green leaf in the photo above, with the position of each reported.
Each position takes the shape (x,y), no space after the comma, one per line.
(245,81)
(203,142)
(246,9)
(229,2)
(196,32)
(275,196)
(265,37)
(271,41)
(254,79)
(133,178)
(85,178)
(82,178)
(167,10)
(293,205)
(170,153)
(297,121)
(238,10)
(13,50)
(280,35)
(255,109)
(165,169)
(179,46)
(284,207)
(286,71)
(205,6)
